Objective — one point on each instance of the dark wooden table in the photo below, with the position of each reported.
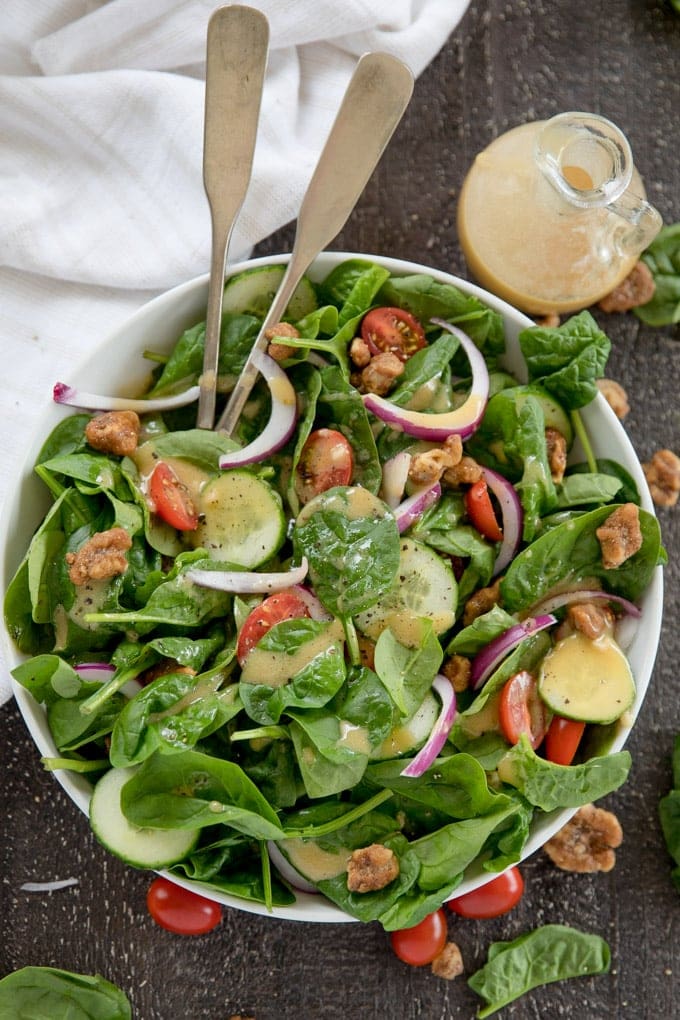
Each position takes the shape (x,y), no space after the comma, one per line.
(506,63)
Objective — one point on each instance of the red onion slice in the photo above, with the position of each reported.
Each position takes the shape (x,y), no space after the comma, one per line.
(62,393)
(394,478)
(282,419)
(413,508)
(437,427)
(103,671)
(486,661)
(564,598)
(287,871)
(314,607)
(440,731)
(513,517)
(246,582)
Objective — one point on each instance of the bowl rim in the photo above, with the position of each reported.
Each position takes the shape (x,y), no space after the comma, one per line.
(193,294)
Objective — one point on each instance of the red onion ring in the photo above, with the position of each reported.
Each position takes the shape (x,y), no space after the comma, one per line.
(282,419)
(62,393)
(486,661)
(440,731)
(247,582)
(314,607)
(513,517)
(413,508)
(394,478)
(564,598)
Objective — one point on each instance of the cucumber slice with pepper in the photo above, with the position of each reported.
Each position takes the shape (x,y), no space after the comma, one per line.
(252,292)
(241,519)
(587,680)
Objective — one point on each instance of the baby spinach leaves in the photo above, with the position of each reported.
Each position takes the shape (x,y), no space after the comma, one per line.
(568,359)
(663,258)
(44,993)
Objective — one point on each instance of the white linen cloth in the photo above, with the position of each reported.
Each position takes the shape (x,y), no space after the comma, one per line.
(101,195)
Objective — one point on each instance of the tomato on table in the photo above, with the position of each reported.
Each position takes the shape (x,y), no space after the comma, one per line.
(562,739)
(392,330)
(491,899)
(180,910)
(419,945)
(481,512)
(285,605)
(326,460)
(171,498)
(521,710)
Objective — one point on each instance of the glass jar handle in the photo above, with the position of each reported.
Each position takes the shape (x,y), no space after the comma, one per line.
(642,222)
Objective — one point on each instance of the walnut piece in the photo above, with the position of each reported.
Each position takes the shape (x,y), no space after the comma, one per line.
(590,619)
(457,669)
(162,668)
(549,321)
(481,602)
(428,467)
(466,472)
(637,289)
(449,963)
(620,536)
(371,867)
(615,395)
(663,477)
(359,352)
(100,557)
(556,446)
(380,373)
(114,432)
(278,351)
(586,843)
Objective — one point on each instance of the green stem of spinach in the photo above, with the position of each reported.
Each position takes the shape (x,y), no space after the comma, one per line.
(55,487)
(261,733)
(580,430)
(314,831)
(266,876)
(75,764)
(92,704)
(352,641)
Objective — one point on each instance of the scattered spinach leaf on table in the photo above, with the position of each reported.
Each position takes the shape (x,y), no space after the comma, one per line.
(44,993)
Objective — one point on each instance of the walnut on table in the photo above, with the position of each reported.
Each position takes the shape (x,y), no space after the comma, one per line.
(637,289)
(663,477)
(449,963)
(587,843)
(615,395)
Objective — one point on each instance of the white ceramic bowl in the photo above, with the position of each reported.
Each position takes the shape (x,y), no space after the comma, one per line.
(117,366)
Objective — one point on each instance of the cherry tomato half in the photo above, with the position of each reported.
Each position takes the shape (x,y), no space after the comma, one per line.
(492,899)
(285,605)
(394,330)
(326,460)
(521,710)
(562,739)
(480,511)
(180,910)
(171,498)
(420,944)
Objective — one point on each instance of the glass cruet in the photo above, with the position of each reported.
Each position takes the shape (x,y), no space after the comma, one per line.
(553,214)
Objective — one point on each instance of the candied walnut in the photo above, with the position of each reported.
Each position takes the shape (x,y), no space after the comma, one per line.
(427,468)
(663,477)
(278,351)
(620,536)
(366,651)
(162,668)
(100,557)
(615,395)
(114,432)
(481,602)
(590,619)
(556,446)
(587,842)
(371,868)
(449,963)
(456,669)
(637,289)
(380,373)
(466,472)
(359,352)
(549,321)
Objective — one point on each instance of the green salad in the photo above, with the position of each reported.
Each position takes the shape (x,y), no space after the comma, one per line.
(358,646)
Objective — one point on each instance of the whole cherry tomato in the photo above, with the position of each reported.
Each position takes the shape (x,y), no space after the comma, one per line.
(326,460)
(491,899)
(480,511)
(285,605)
(171,498)
(394,330)
(420,944)
(562,739)
(180,910)
(521,710)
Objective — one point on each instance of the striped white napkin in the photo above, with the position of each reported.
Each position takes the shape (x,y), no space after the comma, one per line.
(101,195)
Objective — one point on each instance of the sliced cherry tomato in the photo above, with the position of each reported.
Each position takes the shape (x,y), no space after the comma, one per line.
(420,944)
(491,899)
(285,605)
(326,460)
(562,739)
(521,710)
(171,498)
(180,910)
(480,511)
(393,330)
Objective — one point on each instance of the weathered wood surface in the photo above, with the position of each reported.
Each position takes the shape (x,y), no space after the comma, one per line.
(506,62)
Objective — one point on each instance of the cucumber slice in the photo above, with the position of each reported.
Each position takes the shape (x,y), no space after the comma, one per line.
(409,736)
(241,519)
(143,848)
(425,587)
(252,292)
(553,412)
(587,680)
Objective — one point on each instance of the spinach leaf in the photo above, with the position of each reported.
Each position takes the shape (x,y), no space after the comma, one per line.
(425,365)
(190,790)
(71,729)
(185,363)
(48,677)
(550,953)
(307,384)
(364,706)
(326,764)
(585,487)
(550,786)
(200,446)
(663,258)
(44,993)
(440,528)
(18,615)
(352,286)
(228,864)
(408,671)
(92,472)
(340,407)
(68,436)
(571,552)
(480,632)
(567,359)
(628,493)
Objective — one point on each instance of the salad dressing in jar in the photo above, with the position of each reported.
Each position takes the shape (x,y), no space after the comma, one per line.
(553,215)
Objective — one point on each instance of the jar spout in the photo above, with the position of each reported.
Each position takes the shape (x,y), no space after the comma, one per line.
(641,223)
